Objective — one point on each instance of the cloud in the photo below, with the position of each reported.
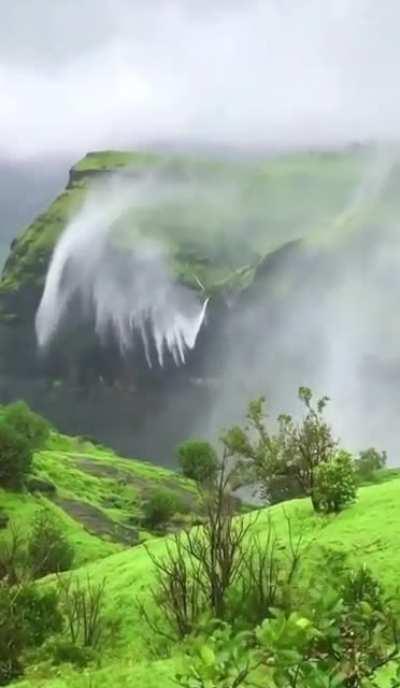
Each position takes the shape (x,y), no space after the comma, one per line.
(102,74)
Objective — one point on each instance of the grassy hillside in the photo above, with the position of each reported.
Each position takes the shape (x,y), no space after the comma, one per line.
(368,531)
(99,496)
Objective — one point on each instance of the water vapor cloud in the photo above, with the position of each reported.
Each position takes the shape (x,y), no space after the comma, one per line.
(127,288)
(112,73)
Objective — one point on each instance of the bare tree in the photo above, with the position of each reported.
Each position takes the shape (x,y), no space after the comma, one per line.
(179,590)
(201,565)
(83,608)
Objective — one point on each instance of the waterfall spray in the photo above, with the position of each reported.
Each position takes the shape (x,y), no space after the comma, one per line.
(129,289)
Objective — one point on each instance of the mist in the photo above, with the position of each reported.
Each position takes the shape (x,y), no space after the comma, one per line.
(327,318)
(324,317)
(232,80)
(125,281)
(272,73)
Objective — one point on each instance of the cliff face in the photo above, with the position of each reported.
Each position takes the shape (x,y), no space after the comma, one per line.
(237,239)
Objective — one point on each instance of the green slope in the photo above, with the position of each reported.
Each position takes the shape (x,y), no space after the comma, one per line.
(368,531)
(99,496)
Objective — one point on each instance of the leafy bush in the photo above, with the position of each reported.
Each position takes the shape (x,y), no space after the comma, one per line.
(11,636)
(337,640)
(40,613)
(218,658)
(27,616)
(335,484)
(30,425)
(49,550)
(4,519)
(12,556)
(64,651)
(361,586)
(160,508)
(198,460)
(369,461)
(15,457)
(281,488)
(339,637)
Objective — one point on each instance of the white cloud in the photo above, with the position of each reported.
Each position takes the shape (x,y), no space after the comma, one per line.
(77,76)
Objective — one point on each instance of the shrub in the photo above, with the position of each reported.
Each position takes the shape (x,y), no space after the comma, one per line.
(27,616)
(11,636)
(83,606)
(160,508)
(30,425)
(49,550)
(343,636)
(15,457)
(335,484)
(198,460)
(361,586)
(369,461)
(281,488)
(4,519)
(12,556)
(35,484)
(214,570)
(218,658)
(64,651)
(40,613)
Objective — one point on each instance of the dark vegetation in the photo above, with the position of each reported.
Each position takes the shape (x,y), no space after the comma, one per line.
(22,432)
(369,462)
(69,612)
(198,460)
(161,507)
(49,550)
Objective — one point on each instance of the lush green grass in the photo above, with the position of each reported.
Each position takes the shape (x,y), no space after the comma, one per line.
(91,475)
(368,531)
(111,160)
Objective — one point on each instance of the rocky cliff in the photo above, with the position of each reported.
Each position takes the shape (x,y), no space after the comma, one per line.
(255,237)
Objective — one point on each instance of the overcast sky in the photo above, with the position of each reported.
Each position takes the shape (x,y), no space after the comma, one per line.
(84,74)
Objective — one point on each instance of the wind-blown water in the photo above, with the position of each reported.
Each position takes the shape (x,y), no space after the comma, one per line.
(128,289)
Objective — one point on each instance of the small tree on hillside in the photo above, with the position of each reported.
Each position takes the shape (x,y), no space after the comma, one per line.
(27,423)
(293,452)
(161,507)
(15,457)
(335,483)
(49,550)
(198,460)
(200,566)
(369,461)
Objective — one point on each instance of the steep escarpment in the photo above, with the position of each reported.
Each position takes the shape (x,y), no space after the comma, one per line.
(254,237)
